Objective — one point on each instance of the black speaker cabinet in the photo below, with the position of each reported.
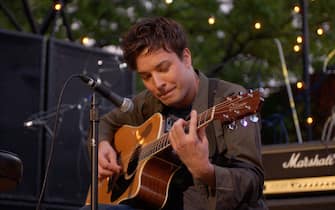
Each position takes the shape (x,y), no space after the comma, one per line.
(69,176)
(33,72)
(21,92)
(324,202)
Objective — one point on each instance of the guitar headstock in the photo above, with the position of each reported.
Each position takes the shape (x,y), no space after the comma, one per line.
(236,107)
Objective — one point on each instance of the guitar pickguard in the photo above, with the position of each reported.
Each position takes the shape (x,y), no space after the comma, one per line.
(119,187)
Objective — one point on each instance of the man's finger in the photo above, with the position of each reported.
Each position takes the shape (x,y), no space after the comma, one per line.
(193,122)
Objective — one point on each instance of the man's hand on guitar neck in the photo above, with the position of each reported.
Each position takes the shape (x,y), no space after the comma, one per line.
(192,148)
(107,161)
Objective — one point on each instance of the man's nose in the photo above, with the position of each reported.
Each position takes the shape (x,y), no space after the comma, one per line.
(158,81)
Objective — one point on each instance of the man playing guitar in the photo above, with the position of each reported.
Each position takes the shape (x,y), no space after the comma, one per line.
(176,159)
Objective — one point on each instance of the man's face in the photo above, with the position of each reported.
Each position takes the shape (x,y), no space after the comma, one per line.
(168,77)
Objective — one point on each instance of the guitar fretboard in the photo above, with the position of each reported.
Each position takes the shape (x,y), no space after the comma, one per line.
(229,110)
(163,142)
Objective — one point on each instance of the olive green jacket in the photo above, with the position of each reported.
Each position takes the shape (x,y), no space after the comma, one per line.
(235,153)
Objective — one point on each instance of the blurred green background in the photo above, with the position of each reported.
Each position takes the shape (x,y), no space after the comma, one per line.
(232,40)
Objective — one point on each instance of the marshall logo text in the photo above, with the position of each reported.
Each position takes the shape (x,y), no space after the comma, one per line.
(307,162)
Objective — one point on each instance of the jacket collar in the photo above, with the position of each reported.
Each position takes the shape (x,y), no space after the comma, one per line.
(201,100)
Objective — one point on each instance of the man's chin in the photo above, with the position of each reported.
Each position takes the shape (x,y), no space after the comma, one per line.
(172,103)
(167,102)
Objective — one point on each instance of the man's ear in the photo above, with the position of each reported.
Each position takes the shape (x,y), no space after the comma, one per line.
(187,57)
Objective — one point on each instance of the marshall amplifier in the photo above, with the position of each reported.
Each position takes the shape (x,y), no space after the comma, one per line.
(299,169)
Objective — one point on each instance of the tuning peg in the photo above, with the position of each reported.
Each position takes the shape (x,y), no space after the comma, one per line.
(254,118)
(232,126)
(244,122)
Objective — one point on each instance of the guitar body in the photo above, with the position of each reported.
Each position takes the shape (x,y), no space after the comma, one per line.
(148,165)
(142,183)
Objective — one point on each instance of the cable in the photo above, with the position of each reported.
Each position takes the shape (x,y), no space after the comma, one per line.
(289,91)
(329,127)
(53,140)
(325,63)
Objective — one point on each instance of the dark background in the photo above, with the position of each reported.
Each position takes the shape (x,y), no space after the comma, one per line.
(33,70)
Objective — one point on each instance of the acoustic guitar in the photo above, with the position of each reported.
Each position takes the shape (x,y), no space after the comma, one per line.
(148,164)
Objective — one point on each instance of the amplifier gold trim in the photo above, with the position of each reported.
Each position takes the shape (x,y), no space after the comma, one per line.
(299,185)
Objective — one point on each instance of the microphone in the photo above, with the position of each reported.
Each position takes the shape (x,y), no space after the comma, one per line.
(125,104)
(33,123)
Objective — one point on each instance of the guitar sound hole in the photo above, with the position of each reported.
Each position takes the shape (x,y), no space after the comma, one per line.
(134,161)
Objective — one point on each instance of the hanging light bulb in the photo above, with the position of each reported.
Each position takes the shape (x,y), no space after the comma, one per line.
(211,20)
(87,41)
(168,1)
(299,39)
(296,9)
(300,85)
(58,6)
(257,25)
(309,120)
(320,31)
(296,48)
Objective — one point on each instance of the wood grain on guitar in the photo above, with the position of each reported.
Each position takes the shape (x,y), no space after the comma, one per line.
(147,170)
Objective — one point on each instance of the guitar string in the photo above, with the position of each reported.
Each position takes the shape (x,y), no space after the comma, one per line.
(162,142)
(236,107)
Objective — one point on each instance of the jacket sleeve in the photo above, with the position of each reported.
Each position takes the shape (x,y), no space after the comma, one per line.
(238,169)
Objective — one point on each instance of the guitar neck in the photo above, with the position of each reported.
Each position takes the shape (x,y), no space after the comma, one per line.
(230,109)
(163,142)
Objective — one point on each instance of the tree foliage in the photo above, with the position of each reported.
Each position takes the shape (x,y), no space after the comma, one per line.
(231,48)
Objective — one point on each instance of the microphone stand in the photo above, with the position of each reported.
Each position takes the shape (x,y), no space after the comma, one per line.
(41,119)
(94,122)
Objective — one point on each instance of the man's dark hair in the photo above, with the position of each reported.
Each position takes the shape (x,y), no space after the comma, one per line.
(153,34)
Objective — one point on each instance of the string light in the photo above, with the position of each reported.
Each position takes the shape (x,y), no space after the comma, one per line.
(168,1)
(88,42)
(309,120)
(258,25)
(84,40)
(296,9)
(300,85)
(296,48)
(320,31)
(299,39)
(211,20)
(58,6)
